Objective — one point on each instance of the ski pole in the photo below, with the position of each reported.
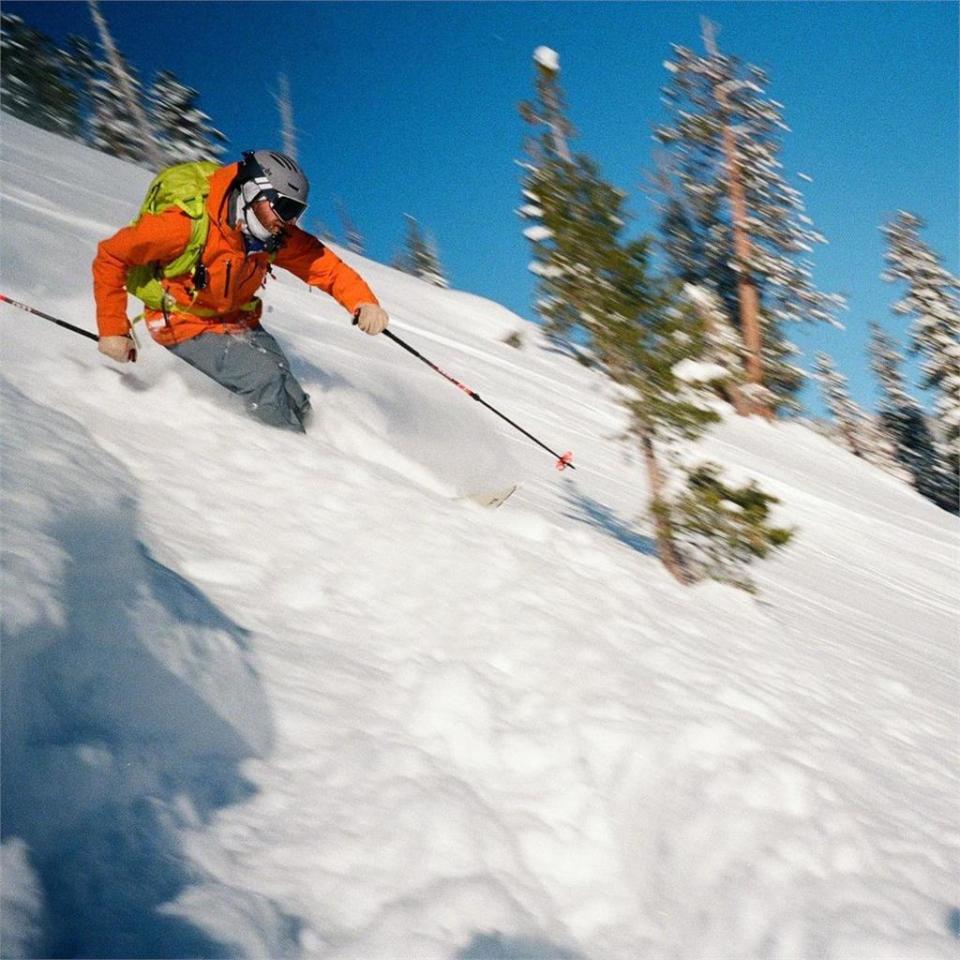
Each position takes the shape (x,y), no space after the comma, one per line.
(563,460)
(132,355)
(46,316)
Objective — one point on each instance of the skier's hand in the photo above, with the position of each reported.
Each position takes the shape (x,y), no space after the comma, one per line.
(120,349)
(371,318)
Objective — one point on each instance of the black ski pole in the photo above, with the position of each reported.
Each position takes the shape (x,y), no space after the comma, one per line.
(563,460)
(46,316)
(132,355)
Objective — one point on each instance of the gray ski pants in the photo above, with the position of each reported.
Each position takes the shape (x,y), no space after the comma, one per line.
(252,365)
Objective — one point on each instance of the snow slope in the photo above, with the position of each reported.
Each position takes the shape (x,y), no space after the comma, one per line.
(275,696)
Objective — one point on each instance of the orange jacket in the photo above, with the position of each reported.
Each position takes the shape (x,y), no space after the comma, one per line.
(233,277)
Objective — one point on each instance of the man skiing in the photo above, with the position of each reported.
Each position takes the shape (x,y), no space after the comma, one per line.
(209,315)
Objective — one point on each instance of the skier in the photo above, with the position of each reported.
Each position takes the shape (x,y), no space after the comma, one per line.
(209,315)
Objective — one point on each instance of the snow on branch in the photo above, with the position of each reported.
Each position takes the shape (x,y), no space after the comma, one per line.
(547,58)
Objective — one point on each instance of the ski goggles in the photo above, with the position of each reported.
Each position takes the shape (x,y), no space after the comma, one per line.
(286,208)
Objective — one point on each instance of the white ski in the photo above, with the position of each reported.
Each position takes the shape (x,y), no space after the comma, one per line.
(491,498)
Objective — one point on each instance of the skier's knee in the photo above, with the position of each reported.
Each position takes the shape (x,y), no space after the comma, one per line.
(271,405)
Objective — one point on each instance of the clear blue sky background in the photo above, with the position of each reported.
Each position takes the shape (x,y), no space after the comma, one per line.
(411,108)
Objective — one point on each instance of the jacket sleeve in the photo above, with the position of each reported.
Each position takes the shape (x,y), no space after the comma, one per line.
(162,237)
(307,258)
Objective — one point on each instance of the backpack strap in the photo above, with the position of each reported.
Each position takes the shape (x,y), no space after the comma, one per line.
(187,261)
(185,186)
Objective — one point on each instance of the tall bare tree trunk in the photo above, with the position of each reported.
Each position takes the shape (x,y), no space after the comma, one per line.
(560,144)
(553,119)
(285,106)
(666,548)
(747,294)
(150,147)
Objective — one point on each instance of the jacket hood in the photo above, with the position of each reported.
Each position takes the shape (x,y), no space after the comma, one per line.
(220,184)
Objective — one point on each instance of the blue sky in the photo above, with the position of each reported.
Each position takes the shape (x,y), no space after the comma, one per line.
(411,108)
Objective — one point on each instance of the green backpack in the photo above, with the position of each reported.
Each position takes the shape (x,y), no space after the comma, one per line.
(186,186)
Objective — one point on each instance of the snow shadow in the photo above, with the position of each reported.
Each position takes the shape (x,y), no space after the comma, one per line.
(314,377)
(594,513)
(123,724)
(496,946)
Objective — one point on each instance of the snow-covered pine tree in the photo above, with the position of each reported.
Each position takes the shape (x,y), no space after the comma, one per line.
(723,528)
(353,238)
(693,233)
(36,86)
(878,449)
(730,219)
(852,426)
(932,302)
(596,292)
(121,126)
(847,415)
(639,342)
(114,129)
(183,130)
(419,255)
(80,68)
(905,426)
(574,217)
(706,525)
(434,271)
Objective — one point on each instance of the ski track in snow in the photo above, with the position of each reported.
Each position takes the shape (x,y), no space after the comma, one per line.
(267,695)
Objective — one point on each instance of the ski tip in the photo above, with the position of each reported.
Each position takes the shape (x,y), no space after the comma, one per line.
(566,461)
(491,498)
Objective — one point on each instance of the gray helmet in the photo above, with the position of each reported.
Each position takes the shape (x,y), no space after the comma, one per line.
(275,177)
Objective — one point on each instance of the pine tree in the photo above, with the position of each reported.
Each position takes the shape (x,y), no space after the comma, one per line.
(120,101)
(693,232)
(98,102)
(722,528)
(80,66)
(847,415)
(932,302)
(905,426)
(640,345)
(861,433)
(419,256)
(730,219)
(575,219)
(878,449)
(183,130)
(711,527)
(433,271)
(352,236)
(596,291)
(35,79)
(114,129)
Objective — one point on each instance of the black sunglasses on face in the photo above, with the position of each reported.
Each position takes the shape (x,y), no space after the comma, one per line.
(286,208)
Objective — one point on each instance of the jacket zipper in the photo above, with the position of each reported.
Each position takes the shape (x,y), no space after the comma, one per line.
(226,282)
